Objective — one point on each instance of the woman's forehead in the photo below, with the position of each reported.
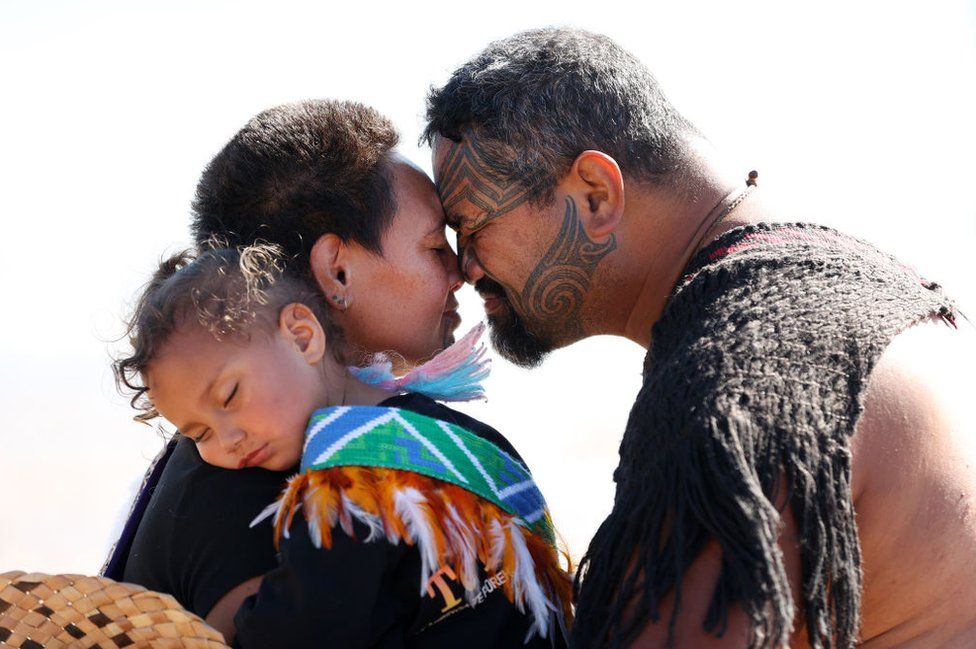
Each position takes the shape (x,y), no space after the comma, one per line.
(418,208)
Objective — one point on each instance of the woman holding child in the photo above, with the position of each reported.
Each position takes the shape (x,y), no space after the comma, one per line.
(409,539)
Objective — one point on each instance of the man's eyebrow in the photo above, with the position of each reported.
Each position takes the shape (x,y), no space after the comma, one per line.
(453,220)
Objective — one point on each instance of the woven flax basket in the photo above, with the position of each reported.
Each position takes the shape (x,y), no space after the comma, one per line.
(39,611)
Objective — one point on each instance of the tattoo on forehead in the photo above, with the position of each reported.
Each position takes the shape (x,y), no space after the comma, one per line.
(554,291)
(466,177)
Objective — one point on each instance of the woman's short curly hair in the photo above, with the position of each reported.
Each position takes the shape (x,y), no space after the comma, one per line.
(296,172)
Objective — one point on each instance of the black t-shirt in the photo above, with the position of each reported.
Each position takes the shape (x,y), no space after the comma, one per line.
(194,541)
(358,594)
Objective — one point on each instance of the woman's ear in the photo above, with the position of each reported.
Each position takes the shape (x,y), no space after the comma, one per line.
(596,180)
(302,329)
(329,262)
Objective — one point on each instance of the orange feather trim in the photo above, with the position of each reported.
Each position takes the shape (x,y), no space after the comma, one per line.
(450,526)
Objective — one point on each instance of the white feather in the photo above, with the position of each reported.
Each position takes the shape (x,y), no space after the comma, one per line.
(284,531)
(314,528)
(270,510)
(409,507)
(280,512)
(313,516)
(332,516)
(465,544)
(345,517)
(527,586)
(391,531)
(372,522)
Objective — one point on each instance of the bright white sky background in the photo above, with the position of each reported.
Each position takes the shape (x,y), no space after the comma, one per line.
(110,110)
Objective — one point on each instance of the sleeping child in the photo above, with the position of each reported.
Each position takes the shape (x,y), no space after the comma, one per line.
(402,528)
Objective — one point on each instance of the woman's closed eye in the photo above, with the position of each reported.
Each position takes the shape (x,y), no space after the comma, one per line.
(440,245)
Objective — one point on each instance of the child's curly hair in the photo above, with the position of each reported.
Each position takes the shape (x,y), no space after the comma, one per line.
(227,291)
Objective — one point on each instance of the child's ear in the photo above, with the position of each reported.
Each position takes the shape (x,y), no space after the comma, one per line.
(301,328)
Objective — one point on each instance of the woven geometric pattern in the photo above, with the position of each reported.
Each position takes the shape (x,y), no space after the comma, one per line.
(394,438)
(54,611)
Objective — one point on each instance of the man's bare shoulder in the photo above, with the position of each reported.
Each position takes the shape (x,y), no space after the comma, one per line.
(914,473)
(918,405)
(914,480)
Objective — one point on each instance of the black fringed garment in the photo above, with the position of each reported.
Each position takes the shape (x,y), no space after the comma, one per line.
(752,387)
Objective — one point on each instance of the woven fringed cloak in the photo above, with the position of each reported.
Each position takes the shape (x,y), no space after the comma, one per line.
(464,503)
(753,385)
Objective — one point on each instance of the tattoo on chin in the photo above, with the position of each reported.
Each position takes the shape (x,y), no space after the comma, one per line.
(553,294)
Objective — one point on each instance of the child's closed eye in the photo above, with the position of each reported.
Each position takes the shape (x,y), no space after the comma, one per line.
(232,394)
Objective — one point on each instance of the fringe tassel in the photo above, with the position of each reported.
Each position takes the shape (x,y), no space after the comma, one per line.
(449,525)
(454,374)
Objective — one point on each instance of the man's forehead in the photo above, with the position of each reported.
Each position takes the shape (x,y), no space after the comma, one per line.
(471,192)
(439,147)
(459,162)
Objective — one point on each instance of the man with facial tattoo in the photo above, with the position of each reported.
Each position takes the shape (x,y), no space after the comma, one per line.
(797,467)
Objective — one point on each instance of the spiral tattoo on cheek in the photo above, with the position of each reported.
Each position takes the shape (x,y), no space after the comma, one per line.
(554,291)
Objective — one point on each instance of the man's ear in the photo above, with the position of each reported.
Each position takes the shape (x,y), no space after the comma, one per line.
(301,328)
(596,179)
(328,260)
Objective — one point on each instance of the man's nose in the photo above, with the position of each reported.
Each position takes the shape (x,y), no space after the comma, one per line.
(471,269)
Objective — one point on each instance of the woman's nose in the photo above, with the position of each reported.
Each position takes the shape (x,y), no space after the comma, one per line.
(453,265)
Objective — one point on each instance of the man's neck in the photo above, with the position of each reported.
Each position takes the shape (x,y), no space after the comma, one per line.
(662,230)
